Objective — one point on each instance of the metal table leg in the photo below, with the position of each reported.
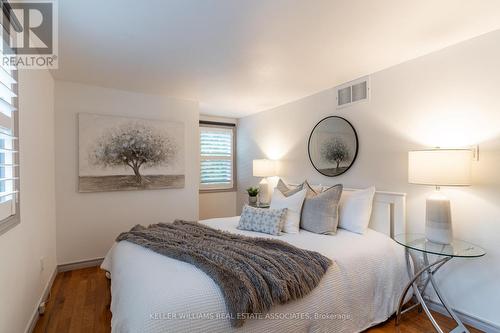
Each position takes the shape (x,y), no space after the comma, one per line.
(461,327)
(419,292)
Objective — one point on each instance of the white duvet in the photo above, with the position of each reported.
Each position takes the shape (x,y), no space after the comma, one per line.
(154,293)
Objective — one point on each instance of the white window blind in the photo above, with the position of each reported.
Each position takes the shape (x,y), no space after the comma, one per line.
(216,157)
(9,173)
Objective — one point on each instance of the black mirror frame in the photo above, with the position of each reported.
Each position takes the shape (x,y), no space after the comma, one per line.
(309,145)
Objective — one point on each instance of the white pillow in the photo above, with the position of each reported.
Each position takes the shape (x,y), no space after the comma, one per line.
(293,204)
(355,209)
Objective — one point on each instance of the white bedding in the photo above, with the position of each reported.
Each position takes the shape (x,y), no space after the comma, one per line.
(154,293)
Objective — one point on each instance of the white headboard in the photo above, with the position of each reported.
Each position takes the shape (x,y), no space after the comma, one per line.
(388,213)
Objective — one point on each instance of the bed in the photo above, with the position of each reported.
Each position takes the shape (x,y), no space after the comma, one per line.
(154,293)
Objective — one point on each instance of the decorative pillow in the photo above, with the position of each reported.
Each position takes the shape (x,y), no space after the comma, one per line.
(269,221)
(356,210)
(287,191)
(318,188)
(320,211)
(293,203)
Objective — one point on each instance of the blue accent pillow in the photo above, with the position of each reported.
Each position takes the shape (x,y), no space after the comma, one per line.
(268,221)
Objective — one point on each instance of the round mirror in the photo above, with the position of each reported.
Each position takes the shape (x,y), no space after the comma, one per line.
(333,146)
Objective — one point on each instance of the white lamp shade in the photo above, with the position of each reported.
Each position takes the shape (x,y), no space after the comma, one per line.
(264,168)
(440,167)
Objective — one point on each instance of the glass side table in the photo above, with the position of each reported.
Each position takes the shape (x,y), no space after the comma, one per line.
(418,242)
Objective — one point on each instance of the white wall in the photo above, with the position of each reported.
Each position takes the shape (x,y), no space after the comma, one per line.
(450,99)
(21,279)
(88,223)
(217,204)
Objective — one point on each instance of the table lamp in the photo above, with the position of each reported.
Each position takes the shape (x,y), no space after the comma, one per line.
(264,168)
(439,167)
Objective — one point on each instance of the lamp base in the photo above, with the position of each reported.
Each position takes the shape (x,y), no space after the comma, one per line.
(264,192)
(438,228)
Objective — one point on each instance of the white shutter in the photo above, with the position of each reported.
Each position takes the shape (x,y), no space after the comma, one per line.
(216,157)
(9,173)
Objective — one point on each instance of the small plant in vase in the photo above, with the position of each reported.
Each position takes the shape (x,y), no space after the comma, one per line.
(252,195)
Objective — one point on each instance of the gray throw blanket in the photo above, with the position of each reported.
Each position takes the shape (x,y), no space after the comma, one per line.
(252,273)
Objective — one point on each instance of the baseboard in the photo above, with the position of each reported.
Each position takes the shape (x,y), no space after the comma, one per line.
(466,318)
(43,298)
(79,264)
(48,287)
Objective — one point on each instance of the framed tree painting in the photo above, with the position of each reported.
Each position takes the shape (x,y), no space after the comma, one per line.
(333,146)
(122,154)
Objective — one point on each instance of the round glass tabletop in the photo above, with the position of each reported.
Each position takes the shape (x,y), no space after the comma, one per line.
(457,248)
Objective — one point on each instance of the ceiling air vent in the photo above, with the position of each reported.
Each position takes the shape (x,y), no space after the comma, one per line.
(353,92)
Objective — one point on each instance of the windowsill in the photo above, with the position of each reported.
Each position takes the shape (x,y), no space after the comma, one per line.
(215,190)
(9,223)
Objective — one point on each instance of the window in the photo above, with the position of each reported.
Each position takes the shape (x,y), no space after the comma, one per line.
(9,160)
(217,160)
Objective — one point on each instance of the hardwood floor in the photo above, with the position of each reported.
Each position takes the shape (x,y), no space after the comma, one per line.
(80,299)
(79,302)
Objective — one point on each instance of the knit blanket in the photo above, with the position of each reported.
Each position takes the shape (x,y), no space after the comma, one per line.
(252,273)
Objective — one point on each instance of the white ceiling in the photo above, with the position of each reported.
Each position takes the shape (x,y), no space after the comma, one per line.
(238,57)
